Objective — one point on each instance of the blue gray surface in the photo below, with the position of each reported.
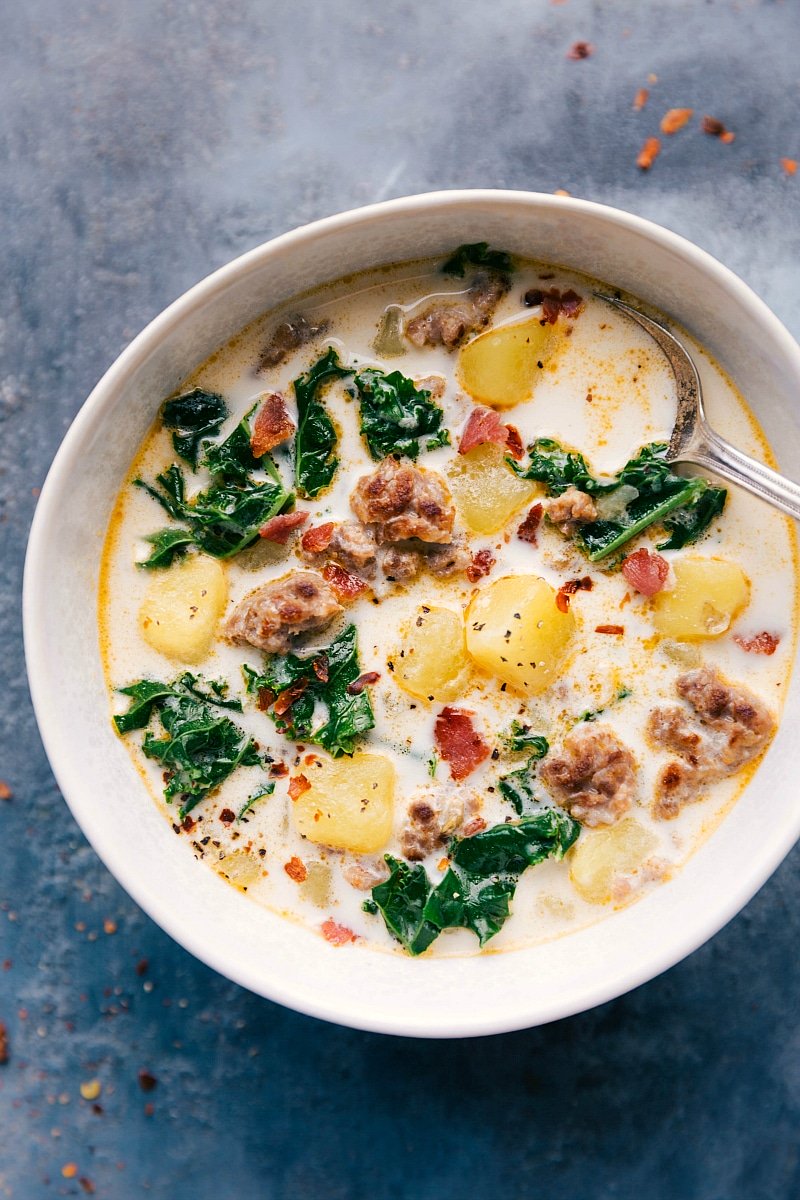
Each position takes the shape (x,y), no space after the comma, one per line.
(143,144)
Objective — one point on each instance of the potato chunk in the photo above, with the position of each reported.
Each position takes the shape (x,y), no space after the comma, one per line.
(516,632)
(708,595)
(240,868)
(602,854)
(434,664)
(182,606)
(349,805)
(486,491)
(501,366)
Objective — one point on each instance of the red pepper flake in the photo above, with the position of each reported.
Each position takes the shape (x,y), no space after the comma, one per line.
(715,128)
(760,643)
(579,51)
(482,563)
(265,698)
(278,770)
(188,823)
(5,790)
(295,868)
(147,1081)
(271,426)
(476,825)
(529,528)
(567,591)
(458,742)
(648,154)
(227,817)
(320,667)
(142,967)
(288,696)
(297,785)
(87,1185)
(345,585)
(366,680)
(279,529)
(317,538)
(789,165)
(337,935)
(640,99)
(645,571)
(614,630)
(4,1055)
(675,119)
(514,443)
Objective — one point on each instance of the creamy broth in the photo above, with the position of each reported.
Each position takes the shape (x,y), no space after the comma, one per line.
(605,390)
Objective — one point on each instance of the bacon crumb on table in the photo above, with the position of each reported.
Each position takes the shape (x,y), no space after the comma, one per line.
(337,935)
(640,99)
(279,529)
(645,571)
(295,868)
(530,526)
(458,742)
(297,785)
(3,1043)
(715,128)
(675,119)
(789,165)
(345,586)
(5,790)
(760,643)
(648,154)
(272,425)
(579,51)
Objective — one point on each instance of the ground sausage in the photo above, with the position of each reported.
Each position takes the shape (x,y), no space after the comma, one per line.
(448,323)
(271,616)
(430,821)
(403,562)
(351,544)
(594,777)
(402,501)
(571,509)
(287,337)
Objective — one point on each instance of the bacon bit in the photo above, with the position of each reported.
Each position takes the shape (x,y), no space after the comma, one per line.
(3,1043)
(5,790)
(443,864)
(320,668)
(317,538)
(553,302)
(188,823)
(295,868)
(278,770)
(272,425)
(616,630)
(760,643)
(529,528)
(474,826)
(648,154)
(675,119)
(645,572)
(297,785)
(345,585)
(366,680)
(87,1185)
(568,590)
(109,926)
(227,817)
(715,128)
(514,443)
(265,698)
(482,563)
(580,50)
(69,1170)
(279,529)
(483,427)
(288,696)
(789,165)
(561,192)
(640,99)
(147,1082)
(337,935)
(458,742)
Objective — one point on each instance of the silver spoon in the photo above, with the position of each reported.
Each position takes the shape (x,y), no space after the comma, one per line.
(694,441)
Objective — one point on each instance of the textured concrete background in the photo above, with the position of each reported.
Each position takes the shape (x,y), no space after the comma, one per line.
(143,144)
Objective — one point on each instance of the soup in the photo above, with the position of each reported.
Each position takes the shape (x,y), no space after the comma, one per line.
(411,631)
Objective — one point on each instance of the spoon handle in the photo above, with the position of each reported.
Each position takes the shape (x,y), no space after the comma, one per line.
(709,450)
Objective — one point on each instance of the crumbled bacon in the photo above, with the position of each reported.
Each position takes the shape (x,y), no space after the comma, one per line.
(272,425)
(484,426)
(295,868)
(614,630)
(279,529)
(580,50)
(482,563)
(675,119)
(760,643)
(648,153)
(567,591)
(529,528)
(554,302)
(337,935)
(458,742)
(476,825)
(645,571)
(288,696)
(716,129)
(789,165)
(297,785)
(320,668)
(317,538)
(345,585)
(640,99)
(279,769)
(365,680)
(265,698)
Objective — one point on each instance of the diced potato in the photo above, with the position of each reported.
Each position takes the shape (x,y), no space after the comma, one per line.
(516,632)
(501,366)
(316,886)
(434,664)
(182,606)
(350,804)
(240,868)
(486,491)
(601,854)
(708,595)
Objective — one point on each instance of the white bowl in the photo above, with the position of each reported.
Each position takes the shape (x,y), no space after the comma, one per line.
(274,956)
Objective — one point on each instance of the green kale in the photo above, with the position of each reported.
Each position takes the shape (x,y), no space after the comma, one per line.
(478,886)
(395,415)
(193,417)
(559,469)
(315,460)
(322,679)
(476,254)
(591,714)
(266,789)
(146,695)
(517,787)
(686,524)
(167,544)
(233,460)
(519,737)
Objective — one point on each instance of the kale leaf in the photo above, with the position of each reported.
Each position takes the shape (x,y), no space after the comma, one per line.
(167,544)
(193,417)
(395,415)
(517,787)
(559,469)
(315,460)
(686,524)
(478,886)
(233,460)
(266,789)
(201,748)
(519,737)
(319,679)
(476,254)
